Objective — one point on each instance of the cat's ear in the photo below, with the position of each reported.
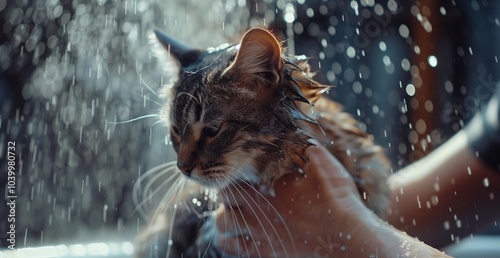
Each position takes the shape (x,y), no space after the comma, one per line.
(181,51)
(258,58)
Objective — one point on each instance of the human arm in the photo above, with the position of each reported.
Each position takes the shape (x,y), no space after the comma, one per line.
(455,191)
(320,215)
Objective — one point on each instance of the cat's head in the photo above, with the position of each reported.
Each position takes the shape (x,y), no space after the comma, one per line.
(232,115)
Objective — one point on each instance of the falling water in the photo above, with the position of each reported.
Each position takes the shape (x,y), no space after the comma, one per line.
(81,69)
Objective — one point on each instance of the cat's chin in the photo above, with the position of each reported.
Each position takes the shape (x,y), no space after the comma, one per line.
(218,181)
(224,182)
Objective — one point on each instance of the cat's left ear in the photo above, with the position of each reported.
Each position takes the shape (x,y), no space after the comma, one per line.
(258,59)
(181,51)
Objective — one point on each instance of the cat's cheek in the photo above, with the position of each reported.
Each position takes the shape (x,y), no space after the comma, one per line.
(242,168)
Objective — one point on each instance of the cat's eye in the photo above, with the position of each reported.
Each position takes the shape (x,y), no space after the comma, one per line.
(212,130)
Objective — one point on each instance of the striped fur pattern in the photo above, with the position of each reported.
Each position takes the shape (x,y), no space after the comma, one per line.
(246,113)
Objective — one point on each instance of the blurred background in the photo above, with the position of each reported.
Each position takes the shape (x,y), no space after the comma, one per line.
(73,73)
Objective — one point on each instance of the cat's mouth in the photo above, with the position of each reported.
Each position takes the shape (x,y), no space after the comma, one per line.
(215,177)
(221,176)
(212,173)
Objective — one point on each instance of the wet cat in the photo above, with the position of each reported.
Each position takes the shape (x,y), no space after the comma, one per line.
(246,113)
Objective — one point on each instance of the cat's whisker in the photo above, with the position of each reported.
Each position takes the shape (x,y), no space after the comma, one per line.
(238,226)
(154,174)
(133,119)
(210,242)
(168,204)
(145,84)
(151,100)
(138,190)
(223,195)
(205,67)
(223,98)
(181,182)
(158,168)
(236,185)
(153,181)
(155,123)
(141,95)
(235,182)
(190,95)
(246,182)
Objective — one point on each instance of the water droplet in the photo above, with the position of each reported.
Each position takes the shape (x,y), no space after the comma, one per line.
(289,16)
(434,200)
(429,107)
(404,31)
(351,52)
(486,182)
(446,225)
(310,12)
(421,126)
(432,60)
(410,90)
(382,46)
(442,10)
(354,6)
(357,87)
(405,64)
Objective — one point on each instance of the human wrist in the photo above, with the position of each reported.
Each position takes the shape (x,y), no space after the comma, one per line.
(385,241)
(353,233)
(371,236)
(483,132)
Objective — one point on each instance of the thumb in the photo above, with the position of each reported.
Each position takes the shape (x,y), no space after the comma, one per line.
(327,170)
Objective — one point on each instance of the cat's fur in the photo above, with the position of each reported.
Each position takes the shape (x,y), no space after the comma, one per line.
(245,113)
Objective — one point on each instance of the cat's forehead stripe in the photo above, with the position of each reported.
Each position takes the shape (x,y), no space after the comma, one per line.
(190,109)
(196,130)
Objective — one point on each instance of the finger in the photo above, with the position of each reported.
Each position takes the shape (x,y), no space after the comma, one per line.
(324,162)
(238,246)
(235,195)
(240,235)
(327,171)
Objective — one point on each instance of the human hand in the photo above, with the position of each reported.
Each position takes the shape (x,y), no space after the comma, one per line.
(317,215)
(314,215)
(483,132)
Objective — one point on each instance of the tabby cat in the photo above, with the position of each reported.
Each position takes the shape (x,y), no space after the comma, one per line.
(246,112)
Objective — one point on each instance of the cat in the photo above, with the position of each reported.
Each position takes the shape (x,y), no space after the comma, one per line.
(246,112)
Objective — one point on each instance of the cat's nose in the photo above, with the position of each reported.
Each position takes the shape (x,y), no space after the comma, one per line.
(186,168)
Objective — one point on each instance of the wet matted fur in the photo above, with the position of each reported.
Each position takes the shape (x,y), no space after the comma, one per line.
(246,113)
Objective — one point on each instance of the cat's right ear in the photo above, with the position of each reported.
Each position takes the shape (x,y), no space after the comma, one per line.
(181,51)
(258,62)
